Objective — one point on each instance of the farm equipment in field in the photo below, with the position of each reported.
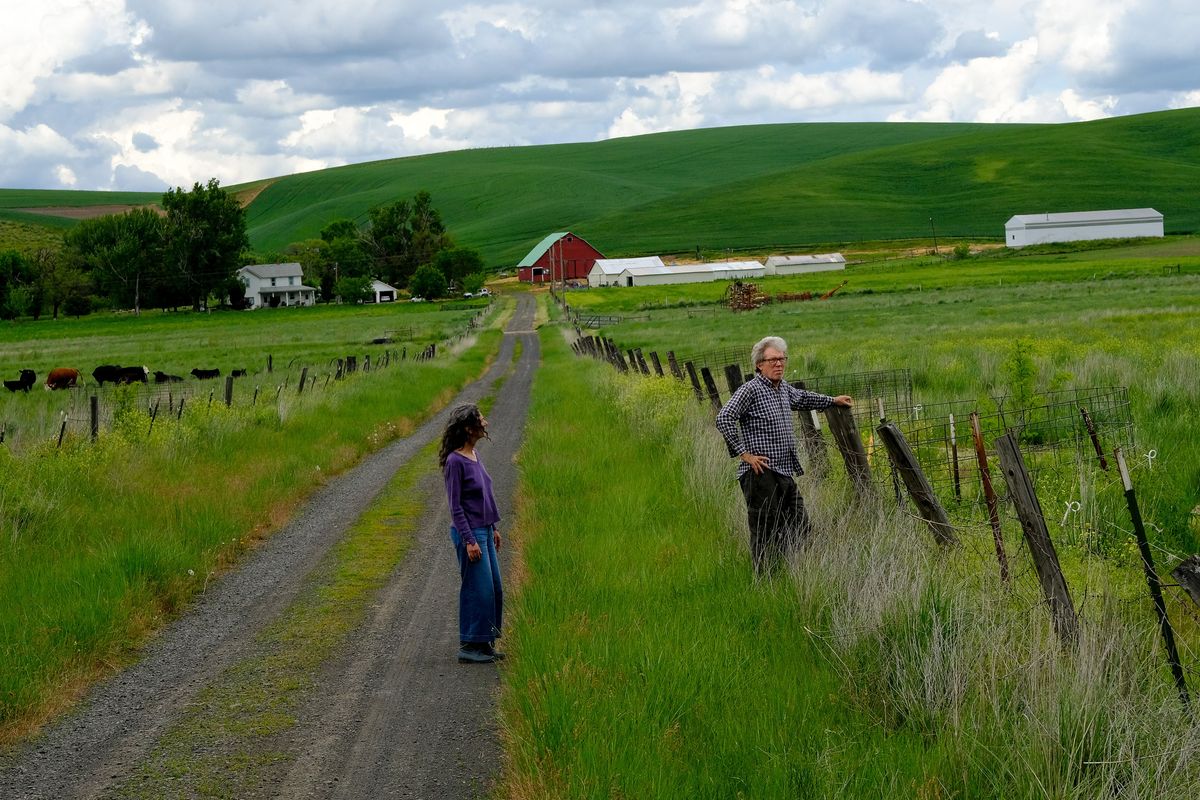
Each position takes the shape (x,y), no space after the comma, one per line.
(747,296)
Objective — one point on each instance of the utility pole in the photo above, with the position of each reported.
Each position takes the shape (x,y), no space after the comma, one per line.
(934,230)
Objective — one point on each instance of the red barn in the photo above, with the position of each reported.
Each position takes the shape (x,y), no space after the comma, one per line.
(560,256)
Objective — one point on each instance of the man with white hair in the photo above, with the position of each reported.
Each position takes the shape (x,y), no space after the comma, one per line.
(757,426)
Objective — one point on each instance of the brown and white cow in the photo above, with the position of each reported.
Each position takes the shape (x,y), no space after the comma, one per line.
(62,378)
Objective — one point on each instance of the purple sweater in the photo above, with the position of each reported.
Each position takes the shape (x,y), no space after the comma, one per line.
(469,492)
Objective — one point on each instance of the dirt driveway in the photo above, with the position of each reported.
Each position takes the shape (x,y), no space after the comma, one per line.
(392,715)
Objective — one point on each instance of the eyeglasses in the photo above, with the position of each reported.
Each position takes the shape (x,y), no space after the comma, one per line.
(776,360)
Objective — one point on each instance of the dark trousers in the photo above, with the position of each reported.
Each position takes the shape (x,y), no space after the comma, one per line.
(778,521)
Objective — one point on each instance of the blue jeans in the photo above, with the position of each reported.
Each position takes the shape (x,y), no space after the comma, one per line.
(481,596)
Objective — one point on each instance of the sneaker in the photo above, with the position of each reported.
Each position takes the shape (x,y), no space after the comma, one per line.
(470,656)
(494,653)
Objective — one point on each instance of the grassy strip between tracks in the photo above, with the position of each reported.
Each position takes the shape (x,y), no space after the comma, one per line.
(231,741)
(645,661)
(105,541)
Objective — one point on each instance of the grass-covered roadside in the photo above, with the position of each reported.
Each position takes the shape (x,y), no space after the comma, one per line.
(231,741)
(646,663)
(103,542)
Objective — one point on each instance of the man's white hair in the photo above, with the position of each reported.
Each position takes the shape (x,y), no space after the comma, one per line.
(756,353)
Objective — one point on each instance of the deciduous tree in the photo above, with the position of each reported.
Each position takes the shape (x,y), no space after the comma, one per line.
(205,236)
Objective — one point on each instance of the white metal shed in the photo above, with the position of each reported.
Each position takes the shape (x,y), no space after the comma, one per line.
(1125,223)
(690,273)
(607,271)
(795,265)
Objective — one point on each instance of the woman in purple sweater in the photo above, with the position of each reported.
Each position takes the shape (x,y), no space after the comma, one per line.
(473,518)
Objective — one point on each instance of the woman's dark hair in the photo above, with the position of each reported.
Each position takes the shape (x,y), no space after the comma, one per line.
(464,420)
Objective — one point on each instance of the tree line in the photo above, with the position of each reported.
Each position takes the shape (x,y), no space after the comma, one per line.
(187,254)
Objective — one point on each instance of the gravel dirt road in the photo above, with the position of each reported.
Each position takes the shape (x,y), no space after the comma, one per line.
(394,714)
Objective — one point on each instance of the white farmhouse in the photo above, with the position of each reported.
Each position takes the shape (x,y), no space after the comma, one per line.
(1025,229)
(607,271)
(273,285)
(795,265)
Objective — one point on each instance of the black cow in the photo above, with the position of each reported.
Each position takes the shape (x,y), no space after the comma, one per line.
(120,375)
(205,374)
(28,378)
(162,377)
(238,373)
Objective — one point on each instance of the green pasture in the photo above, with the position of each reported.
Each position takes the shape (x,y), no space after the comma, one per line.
(183,497)
(1086,323)
(647,662)
(774,187)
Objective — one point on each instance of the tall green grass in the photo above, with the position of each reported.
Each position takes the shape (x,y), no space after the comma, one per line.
(647,662)
(104,541)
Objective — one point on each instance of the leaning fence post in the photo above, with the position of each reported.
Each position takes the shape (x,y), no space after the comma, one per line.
(1037,536)
(658,370)
(63,430)
(691,371)
(711,386)
(989,494)
(1091,429)
(850,445)
(919,488)
(674,364)
(641,361)
(95,415)
(1160,607)
(270,364)
(153,416)
(303,378)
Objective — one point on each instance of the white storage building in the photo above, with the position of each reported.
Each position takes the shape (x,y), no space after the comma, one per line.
(1026,229)
(607,271)
(795,265)
(689,273)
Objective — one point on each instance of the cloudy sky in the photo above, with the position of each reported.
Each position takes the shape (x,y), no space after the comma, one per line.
(146,94)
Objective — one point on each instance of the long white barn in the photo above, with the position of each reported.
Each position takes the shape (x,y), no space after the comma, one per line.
(1026,229)
(796,265)
(607,271)
(690,273)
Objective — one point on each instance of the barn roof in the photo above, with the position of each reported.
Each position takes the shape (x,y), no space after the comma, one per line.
(290,269)
(545,244)
(1085,217)
(691,269)
(819,258)
(615,266)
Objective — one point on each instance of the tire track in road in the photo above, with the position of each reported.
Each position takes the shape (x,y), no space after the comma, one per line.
(108,736)
(398,716)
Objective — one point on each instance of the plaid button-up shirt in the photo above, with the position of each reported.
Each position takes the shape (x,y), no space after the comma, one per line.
(763,412)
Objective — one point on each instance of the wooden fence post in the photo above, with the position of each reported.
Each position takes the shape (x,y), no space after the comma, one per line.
(691,371)
(954,460)
(228,391)
(1160,607)
(658,370)
(850,445)
(1091,429)
(641,361)
(95,414)
(989,494)
(1037,536)
(303,378)
(270,364)
(674,364)
(919,488)
(711,386)
(733,376)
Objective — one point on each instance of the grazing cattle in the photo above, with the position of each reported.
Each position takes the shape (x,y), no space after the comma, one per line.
(28,378)
(238,373)
(162,377)
(205,374)
(62,378)
(120,375)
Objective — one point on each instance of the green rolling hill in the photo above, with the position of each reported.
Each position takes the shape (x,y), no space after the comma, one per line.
(755,186)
